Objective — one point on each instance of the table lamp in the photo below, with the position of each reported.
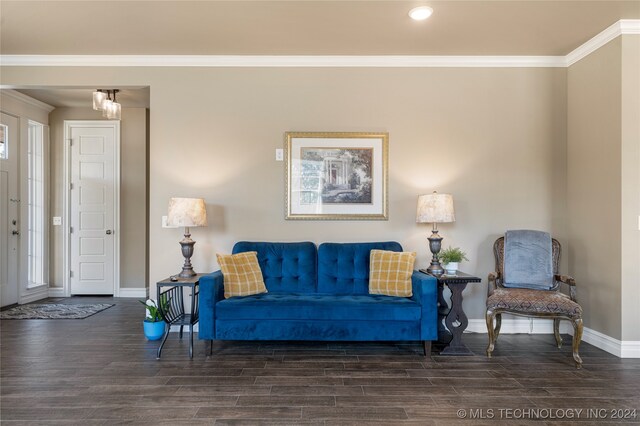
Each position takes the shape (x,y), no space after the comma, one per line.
(187,212)
(435,208)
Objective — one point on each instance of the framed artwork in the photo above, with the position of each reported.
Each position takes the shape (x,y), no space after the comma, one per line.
(336,176)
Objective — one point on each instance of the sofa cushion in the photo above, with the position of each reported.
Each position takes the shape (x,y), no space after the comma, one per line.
(270,306)
(318,330)
(286,267)
(241,274)
(390,273)
(343,268)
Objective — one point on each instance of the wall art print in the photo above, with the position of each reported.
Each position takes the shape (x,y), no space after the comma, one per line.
(336,176)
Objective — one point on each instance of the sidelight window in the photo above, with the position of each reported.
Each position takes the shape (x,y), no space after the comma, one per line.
(36,205)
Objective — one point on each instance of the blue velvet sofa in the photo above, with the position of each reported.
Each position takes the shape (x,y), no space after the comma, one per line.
(318,294)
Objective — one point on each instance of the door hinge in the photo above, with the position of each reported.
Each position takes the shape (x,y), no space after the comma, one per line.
(71,229)
(71,186)
(70,274)
(70,142)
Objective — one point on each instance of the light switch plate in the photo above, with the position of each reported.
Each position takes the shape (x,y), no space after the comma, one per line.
(56,220)
(279,154)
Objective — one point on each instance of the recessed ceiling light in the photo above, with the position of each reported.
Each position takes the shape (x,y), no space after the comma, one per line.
(420,13)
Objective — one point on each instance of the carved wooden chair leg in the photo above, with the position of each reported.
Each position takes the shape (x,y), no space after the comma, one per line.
(496,332)
(489,316)
(556,332)
(577,338)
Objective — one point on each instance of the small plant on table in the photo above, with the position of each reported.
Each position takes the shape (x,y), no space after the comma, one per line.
(451,257)
(452,254)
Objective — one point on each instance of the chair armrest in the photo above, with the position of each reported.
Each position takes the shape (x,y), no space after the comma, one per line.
(425,292)
(493,283)
(565,279)
(211,292)
(570,281)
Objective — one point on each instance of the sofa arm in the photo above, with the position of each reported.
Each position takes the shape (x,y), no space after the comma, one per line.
(211,292)
(425,292)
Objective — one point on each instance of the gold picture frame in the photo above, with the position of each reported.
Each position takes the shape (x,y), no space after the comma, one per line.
(336,176)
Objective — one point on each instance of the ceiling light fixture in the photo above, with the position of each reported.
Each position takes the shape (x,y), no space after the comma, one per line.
(420,13)
(102,102)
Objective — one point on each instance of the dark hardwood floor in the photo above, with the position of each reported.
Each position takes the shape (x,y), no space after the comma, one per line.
(101,370)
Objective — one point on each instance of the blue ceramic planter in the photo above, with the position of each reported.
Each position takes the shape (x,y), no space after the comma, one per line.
(154,330)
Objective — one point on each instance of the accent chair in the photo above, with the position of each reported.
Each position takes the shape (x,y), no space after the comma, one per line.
(540,299)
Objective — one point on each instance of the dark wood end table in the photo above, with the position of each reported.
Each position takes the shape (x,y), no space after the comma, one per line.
(454,317)
(175,314)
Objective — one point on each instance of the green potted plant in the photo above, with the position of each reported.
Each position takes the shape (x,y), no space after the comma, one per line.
(154,323)
(451,258)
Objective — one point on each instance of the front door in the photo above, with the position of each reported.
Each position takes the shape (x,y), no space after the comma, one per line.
(9,209)
(93,206)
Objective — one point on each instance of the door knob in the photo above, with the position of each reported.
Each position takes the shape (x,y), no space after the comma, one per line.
(108,231)
(14,232)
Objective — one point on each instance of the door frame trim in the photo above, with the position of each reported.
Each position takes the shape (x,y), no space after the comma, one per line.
(67,201)
(18,283)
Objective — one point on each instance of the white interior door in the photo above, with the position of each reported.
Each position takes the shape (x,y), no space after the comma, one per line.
(93,207)
(9,209)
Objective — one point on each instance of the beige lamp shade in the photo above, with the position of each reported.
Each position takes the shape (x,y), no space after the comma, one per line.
(187,212)
(435,208)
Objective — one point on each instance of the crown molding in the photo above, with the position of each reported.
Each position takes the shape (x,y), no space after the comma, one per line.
(27,100)
(381,61)
(622,27)
(629,26)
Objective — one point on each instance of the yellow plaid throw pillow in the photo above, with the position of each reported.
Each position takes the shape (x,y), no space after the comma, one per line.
(390,273)
(241,273)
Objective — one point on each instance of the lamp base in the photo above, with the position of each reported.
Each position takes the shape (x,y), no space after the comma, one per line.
(187,251)
(435,269)
(187,272)
(435,243)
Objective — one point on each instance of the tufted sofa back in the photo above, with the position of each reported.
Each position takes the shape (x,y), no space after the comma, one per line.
(286,267)
(343,268)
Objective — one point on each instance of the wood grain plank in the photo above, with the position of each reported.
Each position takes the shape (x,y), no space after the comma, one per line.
(102,371)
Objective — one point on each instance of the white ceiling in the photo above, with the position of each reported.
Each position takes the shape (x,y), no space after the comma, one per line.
(293,27)
(304,27)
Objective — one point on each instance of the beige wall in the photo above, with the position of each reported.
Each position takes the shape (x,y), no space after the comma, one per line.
(133,192)
(630,188)
(593,174)
(494,138)
(604,186)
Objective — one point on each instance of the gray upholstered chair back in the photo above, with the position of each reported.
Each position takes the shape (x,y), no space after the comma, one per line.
(498,251)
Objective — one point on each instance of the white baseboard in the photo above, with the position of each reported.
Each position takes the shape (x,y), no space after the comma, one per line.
(139,292)
(519,325)
(630,349)
(602,341)
(621,349)
(33,295)
(56,292)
